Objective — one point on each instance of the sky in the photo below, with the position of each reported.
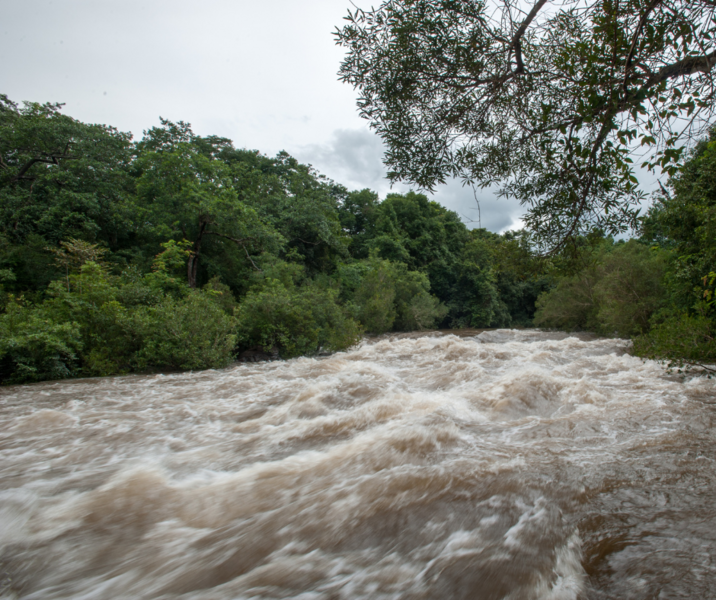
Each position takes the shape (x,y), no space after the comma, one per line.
(260,73)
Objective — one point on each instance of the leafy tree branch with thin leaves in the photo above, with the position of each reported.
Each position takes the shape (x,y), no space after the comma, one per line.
(553,100)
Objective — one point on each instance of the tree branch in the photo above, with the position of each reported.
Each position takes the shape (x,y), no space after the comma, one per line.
(51,159)
(637,31)
(516,39)
(251,260)
(596,146)
(686,66)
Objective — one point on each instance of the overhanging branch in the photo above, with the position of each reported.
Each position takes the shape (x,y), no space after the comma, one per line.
(681,68)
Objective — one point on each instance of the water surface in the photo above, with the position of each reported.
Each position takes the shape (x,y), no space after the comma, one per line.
(502,464)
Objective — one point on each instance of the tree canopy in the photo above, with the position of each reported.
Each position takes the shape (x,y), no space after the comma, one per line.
(59,177)
(553,100)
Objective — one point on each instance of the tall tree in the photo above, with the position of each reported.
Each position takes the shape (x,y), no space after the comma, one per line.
(60,178)
(188,193)
(552,99)
(303,206)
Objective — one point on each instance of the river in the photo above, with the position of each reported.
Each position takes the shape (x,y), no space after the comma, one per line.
(489,465)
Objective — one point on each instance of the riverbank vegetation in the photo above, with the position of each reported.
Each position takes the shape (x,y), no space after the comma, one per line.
(183,252)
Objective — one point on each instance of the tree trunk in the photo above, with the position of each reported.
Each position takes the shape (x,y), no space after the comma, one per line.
(192,266)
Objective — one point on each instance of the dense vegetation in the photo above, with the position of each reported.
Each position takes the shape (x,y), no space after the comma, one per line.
(183,252)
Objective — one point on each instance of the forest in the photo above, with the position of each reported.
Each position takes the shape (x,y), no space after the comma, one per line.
(183,252)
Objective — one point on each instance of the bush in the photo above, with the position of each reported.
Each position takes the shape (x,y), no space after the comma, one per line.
(630,290)
(390,297)
(33,347)
(221,294)
(415,308)
(293,320)
(680,339)
(616,293)
(191,333)
(90,299)
(571,304)
(375,297)
(96,324)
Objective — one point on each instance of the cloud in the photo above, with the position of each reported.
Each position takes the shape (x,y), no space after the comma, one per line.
(354,158)
(480,207)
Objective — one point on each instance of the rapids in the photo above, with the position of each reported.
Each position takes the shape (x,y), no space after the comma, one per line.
(502,464)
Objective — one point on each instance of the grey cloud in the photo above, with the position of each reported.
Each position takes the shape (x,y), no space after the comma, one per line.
(265,70)
(480,207)
(354,157)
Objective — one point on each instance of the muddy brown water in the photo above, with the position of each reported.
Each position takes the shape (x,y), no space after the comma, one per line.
(502,464)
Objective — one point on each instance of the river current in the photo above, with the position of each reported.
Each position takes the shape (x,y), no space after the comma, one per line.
(485,465)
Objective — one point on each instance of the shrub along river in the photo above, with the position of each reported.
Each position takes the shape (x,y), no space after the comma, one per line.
(501,464)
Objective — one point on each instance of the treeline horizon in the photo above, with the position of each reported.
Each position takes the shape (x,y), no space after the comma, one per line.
(180,251)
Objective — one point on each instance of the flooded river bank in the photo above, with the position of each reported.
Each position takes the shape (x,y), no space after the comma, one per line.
(502,464)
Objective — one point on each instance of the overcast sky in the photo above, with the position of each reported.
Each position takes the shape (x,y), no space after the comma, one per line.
(260,73)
